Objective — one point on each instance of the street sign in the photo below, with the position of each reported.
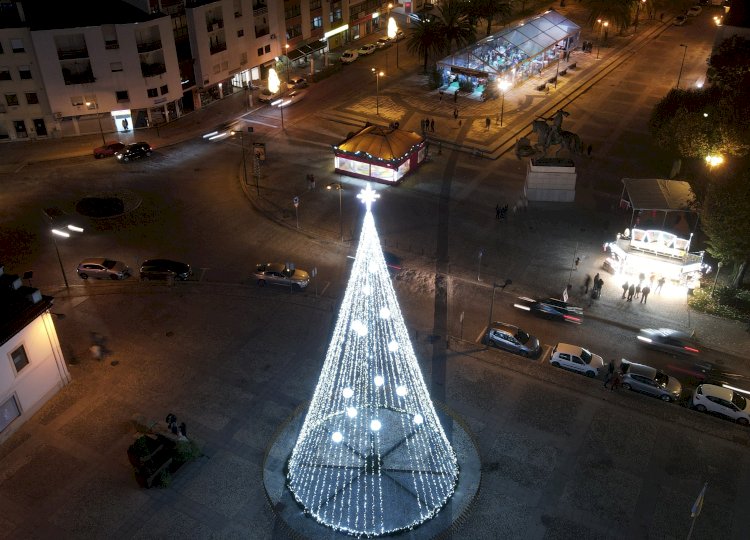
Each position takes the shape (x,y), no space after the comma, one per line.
(565,295)
(314,271)
(295,200)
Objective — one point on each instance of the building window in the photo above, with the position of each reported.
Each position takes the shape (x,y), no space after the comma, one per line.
(32,98)
(240,32)
(115,66)
(292,11)
(11,99)
(152,92)
(260,53)
(317,22)
(9,411)
(164,89)
(20,360)
(5,74)
(76,101)
(267,49)
(122,95)
(294,31)
(16,46)
(24,72)
(314,4)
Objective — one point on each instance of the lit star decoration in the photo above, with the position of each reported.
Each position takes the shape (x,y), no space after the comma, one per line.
(371,457)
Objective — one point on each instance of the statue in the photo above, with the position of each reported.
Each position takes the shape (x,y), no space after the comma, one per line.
(549,135)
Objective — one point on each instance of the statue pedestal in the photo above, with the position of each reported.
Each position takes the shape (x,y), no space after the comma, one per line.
(551,179)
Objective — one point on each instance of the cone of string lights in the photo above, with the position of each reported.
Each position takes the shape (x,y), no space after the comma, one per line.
(371,457)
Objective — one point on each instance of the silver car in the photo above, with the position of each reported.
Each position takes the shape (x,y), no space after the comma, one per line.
(649,380)
(102,268)
(281,274)
(513,339)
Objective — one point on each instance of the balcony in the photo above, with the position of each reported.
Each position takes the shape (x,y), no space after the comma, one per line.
(149,46)
(85,77)
(111,44)
(218,47)
(151,70)
(72,54)
(259,32)
(215,25)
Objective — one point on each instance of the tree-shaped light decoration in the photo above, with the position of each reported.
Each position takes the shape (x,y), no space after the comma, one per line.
(273,81)
(371,457)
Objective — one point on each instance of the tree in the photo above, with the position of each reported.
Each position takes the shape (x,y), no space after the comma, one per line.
(427,37)
(456,23)
(726,221)
(617,12)
(729,66)
(489,10)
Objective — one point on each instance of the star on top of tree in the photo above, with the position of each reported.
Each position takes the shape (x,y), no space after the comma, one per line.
(368,196)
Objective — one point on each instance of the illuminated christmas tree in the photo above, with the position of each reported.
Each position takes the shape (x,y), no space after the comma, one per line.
(371,457)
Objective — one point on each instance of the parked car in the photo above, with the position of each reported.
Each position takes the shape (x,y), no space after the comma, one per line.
(101,268)
(134,151)
(513,339)
(164,269)
(576,358)
(551,308)
(297,82)
(266,96)
(109,149)
(694,11)
(349,56)
(649,380)
(669,340)
(680,20)
(721,401)
(280,274)
(367,49)
(292,97)
(382,43)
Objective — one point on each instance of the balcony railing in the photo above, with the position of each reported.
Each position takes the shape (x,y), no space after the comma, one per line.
(215,25)
(151,70)
(149,46)
(79,78)
(111,44)
(259,32)
(218,47)
(72,54)
(260,11)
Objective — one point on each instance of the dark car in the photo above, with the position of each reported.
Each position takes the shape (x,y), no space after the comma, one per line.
(551,308)
(109,149)
(669,340)
(134,151)
(165,269)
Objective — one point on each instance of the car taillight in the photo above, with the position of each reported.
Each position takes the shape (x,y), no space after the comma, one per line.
(691,349)
(572,319)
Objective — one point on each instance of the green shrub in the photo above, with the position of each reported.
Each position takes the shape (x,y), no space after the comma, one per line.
(435,79)
(725,302)
(465,85)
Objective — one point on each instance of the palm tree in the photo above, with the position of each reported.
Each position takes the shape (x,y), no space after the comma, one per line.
(618,12)
(489,10)
(457,25)
(427,37)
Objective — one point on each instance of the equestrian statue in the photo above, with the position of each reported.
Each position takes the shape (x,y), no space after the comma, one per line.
(553,134)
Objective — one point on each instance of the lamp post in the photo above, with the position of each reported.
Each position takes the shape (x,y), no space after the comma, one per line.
(682,64)
(378,74)
(503,85)
(716,277)
(63,234)
(286,54)
(492,303)
(98,118)
(338,187)
(637,13)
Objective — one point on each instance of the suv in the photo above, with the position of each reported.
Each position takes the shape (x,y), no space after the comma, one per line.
(576,358)
(649,380)
(349,56)
(721,401)
(513,339)
(134,151)
(102,268)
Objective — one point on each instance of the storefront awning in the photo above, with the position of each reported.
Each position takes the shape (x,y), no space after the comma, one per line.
(304,51)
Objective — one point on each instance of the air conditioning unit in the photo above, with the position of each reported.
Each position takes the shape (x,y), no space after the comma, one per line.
(273,36)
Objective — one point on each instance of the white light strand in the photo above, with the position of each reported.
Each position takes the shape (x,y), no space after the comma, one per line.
(371,418)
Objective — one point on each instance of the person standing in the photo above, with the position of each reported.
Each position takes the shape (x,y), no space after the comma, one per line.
(588,150)
(586,284)
(637,291)
(616,379)
(610,373)
(631,293)
(644,293)
(497,211)
(455,113)
(432,125)
(578,260)
(487,123)
(625,289)
(455,96)
(660,284)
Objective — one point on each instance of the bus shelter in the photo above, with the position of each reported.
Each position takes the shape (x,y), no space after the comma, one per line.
(514,54)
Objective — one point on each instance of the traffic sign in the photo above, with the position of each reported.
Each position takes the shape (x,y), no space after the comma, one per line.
(295,200)
(314,271)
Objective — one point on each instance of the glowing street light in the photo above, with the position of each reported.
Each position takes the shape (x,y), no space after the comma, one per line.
(712,160)
(286,53)
(503,85)
(63,234)
(378,74)
(95,103)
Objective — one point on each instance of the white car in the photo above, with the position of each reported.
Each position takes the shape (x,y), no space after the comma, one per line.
(281,274)
(266,96)
(349,56)
(102,268)
(576,358)
(370,48)
(722,401)
(694,11)
(292,97)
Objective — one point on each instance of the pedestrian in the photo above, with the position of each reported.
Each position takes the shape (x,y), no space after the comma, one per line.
(660,284)
(455,96)
(586,284)
(487,123)
(616,379)
(441,95)
(661,17)
(625,289)
(651,279)
(631,292)
(455,113)
(610,373)
(637,291)
(497,211)
(578,260)
(644,293)
(588,151)
(432,125)
(183,429)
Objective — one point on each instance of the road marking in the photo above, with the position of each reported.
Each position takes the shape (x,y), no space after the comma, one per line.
(324,288)
(546,353)
(263,123)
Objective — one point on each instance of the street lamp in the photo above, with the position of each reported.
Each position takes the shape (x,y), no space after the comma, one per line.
(393,33)
(716,277)
(503,85)
(338,187)
(378,74)
(492,304)
(684,53)
(63,234)
(637,13)
(712,160)
(286,54)
(98,118)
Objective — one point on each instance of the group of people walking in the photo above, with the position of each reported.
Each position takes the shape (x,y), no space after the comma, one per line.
(639,290)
